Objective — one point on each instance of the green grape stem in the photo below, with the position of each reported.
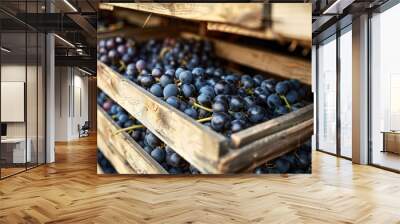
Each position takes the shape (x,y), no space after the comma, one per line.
(204,119)
(202,107)
(286,102)
(131,128)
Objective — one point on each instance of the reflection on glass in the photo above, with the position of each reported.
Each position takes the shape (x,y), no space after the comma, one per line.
(346,94)
(327,96)
(31,100)
(385,84)
(41,99)
(14,146)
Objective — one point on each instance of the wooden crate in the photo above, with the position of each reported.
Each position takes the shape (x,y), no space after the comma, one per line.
(244,15)
(207,150)
(124,153)
(267,61)
(277,21)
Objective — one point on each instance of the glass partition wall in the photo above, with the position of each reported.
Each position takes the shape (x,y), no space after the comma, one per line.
(22,77)
(334,93)
(345,92)
(326,135)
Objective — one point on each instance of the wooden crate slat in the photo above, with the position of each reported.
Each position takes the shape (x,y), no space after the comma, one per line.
(292,21)
(198,144)
(140,18)
(267,148)
(271,62)
(112,154)
(272,126)
(245,15)
(275,63)
(140,34)
(132,152)
(266,33)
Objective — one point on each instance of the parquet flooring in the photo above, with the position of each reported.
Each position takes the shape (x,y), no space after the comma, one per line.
(69,191)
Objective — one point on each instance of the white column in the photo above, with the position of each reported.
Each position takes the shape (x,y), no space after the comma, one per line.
(360,90)
(50,80)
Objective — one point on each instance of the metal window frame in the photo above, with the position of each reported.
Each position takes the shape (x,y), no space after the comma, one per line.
(44,75)
(381,9)
(334,37)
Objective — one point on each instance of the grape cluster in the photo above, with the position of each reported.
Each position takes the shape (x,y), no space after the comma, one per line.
(187,75)
(163,154)
(297,161)
(105,165)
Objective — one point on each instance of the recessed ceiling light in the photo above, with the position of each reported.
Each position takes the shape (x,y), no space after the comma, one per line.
(5,49)
(64,40)
(70,5)
(84,71)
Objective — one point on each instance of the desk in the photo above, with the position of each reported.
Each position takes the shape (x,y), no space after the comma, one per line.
(391,141)
(17,150)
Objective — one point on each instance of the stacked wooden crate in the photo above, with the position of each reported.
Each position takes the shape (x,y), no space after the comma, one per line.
(207,150)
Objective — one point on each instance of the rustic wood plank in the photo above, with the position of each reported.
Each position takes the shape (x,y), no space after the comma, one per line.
(267,128)
(112,154)
(292,21)
(275,63)
(198,144)
(264,33)
(248,15)
(141,19)
(142,34)
(267,148)
(132,152)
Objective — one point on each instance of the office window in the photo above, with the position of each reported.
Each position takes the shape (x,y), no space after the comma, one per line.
(346,93)
(327,96)
(22,77)
(385,88)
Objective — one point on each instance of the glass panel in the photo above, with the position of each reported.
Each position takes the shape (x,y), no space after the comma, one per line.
(13,87)
(41,99)
(346,94)
(327,96)
(385,84)
(32,98)
(32,89)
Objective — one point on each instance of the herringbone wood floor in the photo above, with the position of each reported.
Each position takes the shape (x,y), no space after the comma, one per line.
(69,191)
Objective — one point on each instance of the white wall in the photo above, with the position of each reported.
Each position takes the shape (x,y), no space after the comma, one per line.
(61,103)
(34,125)
(71,94)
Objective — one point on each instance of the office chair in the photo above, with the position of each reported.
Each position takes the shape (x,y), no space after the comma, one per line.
(84,130)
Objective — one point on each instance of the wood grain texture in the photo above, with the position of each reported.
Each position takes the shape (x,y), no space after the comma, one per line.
(198,144)
(267,61)
(246,15)
(267,148)
(269,127)
(288,22)
(69,191)
(131,152)
(265,33)
(113,155)
(292,21)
